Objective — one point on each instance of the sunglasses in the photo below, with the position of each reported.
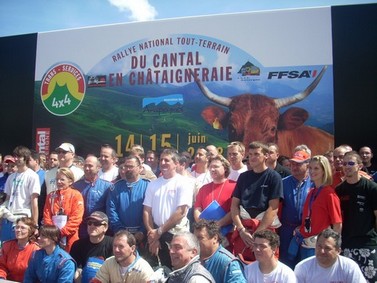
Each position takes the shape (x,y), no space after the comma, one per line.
(349,163)
(95,223)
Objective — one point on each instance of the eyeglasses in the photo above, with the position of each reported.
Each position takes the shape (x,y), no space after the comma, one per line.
(95,223)
(349,163)
(61,151)
(22,228)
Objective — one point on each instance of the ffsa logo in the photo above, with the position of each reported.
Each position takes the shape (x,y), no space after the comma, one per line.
(292,74)
(63,89)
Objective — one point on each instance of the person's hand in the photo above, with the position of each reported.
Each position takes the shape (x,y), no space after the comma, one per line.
(246,237)
(154,247)
(153,236)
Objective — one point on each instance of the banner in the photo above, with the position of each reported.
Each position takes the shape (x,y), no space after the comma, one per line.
(189,82)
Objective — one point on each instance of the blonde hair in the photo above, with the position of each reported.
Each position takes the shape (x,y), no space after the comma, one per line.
(326,167)
(66,172)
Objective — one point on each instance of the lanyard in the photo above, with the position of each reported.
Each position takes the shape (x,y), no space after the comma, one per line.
(313,197)
(221,190)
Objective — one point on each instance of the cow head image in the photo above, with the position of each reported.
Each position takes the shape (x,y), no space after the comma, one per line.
(256,117)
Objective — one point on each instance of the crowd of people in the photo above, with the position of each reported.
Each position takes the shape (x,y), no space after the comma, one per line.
(248,216)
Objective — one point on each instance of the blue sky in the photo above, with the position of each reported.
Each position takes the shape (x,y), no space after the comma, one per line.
(29,16)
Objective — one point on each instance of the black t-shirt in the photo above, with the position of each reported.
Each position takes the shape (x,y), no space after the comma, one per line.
(282,170)
(82,249)
(358,203)
(255,190)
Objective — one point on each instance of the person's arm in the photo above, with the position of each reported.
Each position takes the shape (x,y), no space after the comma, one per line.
(34,207)
(66,272)
(270,215)
(31,273)
(337,227)
(175,218)
(226,220)
(3,262)
(152,234)
(234,273)
(235,212)
(47,213)
(112,212)
(76,212)
(197,212)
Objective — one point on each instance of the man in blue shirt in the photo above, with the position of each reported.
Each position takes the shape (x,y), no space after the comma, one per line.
(93,189)
(222,264)
(125,200)
(295,187)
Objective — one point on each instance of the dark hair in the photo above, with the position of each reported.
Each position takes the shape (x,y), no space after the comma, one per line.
(113,152)
(35,155)
(262,146)
(131,157)
(355,155)
(172,152)
(270,236)
(330,233)
(22,151)
(50,231)
(29,222)
(131,241)
(212,228)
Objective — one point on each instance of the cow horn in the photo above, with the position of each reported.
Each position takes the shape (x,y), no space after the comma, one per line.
(224,101)
(281,102)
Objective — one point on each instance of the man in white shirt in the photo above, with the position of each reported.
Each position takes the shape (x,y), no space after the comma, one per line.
(66,154)
(22,189)
(166,203)
(267,268)
(108,159)
(236,154)
(328,265)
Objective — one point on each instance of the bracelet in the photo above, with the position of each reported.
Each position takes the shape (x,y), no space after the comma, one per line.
(241,229)
(159,231)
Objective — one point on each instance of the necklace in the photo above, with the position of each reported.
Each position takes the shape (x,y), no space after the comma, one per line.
(221,190)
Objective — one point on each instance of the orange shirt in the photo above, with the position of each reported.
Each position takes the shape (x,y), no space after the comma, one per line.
(70,202)
(14,261)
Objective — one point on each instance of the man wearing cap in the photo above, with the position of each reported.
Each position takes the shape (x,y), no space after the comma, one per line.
(295,187)
(9,167)
(93,189)
(66,154)
(90,252)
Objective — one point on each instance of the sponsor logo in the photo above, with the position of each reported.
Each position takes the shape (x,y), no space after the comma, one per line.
(63,89)
(249,69)
(163,104)
(42,140)
(97,81)
(292,74)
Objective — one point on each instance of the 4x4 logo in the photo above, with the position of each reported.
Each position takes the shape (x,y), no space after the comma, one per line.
(63,89)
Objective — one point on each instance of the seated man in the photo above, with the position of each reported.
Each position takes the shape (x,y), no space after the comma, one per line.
(91,251)
(126,265)
(184,254)
(267,268)
(327,265)
(222,264)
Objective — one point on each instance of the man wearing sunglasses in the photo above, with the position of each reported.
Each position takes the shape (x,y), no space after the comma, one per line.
(91,251)
(358,200)
(66,154)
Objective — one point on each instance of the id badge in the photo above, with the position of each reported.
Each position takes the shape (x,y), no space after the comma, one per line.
(60,220)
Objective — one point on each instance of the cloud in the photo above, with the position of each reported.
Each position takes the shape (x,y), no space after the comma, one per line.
(140,10)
